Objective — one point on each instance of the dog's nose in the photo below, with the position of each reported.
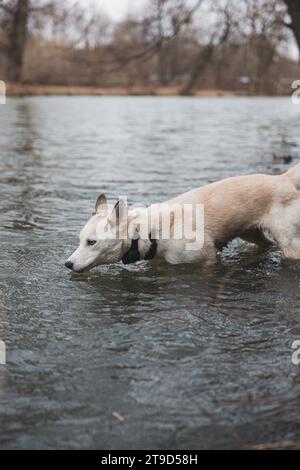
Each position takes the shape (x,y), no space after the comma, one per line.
(69,265)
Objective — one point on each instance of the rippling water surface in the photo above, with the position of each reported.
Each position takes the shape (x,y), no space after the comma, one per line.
(190,357)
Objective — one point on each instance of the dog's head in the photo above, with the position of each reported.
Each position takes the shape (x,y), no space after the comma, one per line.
(104,238)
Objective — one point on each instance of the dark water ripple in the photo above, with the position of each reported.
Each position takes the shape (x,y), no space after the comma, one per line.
(175,350)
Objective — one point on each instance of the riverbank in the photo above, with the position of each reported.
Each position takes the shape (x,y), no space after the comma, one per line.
(14,89)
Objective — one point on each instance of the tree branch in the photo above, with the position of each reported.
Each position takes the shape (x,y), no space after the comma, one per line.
(5,7)
(153,48)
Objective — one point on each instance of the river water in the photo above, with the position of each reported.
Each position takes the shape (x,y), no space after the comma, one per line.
(189,357)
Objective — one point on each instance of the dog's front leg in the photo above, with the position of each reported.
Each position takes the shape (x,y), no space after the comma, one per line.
(184,251)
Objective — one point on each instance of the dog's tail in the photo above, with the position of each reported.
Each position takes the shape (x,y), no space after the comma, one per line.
(294,175)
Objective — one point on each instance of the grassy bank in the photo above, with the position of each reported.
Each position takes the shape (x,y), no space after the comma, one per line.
(14,89)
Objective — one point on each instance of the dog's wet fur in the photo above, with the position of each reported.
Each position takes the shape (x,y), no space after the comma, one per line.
(249,207)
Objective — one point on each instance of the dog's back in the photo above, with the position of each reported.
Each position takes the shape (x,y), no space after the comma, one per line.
(236,205)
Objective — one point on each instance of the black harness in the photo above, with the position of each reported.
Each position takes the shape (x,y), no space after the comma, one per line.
(133,255)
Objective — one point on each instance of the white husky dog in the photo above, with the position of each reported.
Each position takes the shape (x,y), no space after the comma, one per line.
(250,207)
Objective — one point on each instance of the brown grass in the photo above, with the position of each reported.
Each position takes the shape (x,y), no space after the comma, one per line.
(15,89)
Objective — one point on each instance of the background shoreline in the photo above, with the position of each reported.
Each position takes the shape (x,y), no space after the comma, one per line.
(16,89)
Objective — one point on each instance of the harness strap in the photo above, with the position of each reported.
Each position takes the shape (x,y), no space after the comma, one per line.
(133,255)
(153,248)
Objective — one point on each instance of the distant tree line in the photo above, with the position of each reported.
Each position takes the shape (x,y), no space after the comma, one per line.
(227,43)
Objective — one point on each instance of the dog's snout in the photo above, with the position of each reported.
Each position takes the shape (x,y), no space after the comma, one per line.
(69,265)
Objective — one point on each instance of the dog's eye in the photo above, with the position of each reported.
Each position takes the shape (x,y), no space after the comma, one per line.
(91,242)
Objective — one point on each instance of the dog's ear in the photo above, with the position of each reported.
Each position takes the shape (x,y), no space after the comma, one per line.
(101,205)
(119,213)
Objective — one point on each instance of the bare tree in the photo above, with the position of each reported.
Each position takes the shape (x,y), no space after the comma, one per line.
(16,17)
(294,12)
(262,32)
(163,22)
(218,36)
(15,20)
(211,43)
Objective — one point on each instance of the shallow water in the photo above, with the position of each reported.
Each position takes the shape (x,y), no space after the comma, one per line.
(187,355)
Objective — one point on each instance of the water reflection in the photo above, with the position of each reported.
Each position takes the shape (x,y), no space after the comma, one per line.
(169,348)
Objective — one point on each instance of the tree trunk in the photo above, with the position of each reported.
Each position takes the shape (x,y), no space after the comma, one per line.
(203,59)
(202,62)
(294,12)
(17,39)
(160,43)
